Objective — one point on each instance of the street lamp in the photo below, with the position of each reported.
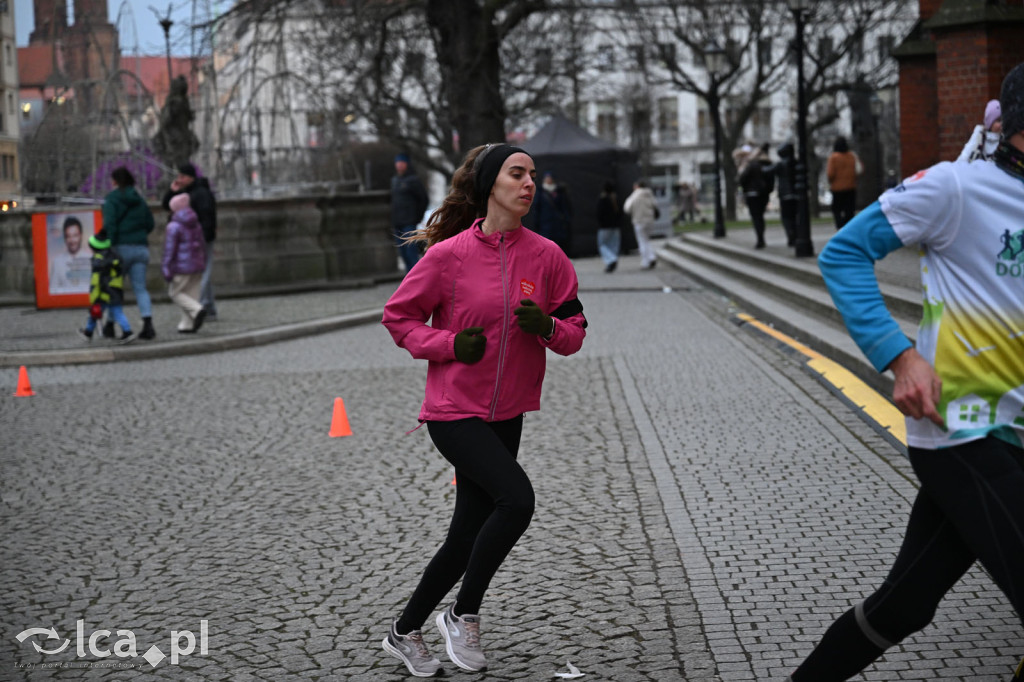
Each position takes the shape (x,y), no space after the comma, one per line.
(714,61)
(165,24)
(877,107)
(804,246)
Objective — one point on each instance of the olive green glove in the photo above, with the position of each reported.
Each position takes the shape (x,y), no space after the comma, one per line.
(470,344)
(532,320)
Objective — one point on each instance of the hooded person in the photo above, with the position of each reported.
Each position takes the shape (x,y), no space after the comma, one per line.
(408,203)
(106,288)
(183,263)
(985,136)
(203,202)
(552,212)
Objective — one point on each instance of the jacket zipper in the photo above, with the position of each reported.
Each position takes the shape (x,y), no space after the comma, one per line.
(502,346)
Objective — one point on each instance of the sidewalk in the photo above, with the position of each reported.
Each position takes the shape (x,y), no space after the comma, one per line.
(49,337)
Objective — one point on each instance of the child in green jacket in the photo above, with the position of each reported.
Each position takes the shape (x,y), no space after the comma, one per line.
(106,290)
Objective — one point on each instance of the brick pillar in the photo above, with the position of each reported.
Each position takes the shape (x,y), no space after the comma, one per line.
(950,66)
(927,8)
(973,55)
(919,139)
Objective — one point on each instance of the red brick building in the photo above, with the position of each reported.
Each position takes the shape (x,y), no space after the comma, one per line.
(952,63)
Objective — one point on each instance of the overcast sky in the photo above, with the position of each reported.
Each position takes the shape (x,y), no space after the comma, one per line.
(138,25)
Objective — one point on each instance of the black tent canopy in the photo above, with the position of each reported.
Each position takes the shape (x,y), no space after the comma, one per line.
(583,163)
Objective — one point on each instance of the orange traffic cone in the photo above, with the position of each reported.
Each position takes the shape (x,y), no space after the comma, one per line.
(24,387)
(339,423)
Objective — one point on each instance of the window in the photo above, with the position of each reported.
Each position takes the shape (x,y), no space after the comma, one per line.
(668,120)
(414,64)
(705,126)
(638,53)
(826,49)
(10,59)
(543,61)
(667,54)
(886,43)
(764,50)
(857,48)
(607,121)
(605,58)
(10,103)
(762,124)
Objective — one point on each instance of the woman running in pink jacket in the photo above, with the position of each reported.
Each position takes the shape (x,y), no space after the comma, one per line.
(497,296)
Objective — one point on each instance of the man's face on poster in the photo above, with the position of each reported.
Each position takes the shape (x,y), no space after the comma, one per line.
(73,237)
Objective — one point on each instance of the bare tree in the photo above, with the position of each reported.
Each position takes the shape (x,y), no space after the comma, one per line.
(427,74)
(758,64)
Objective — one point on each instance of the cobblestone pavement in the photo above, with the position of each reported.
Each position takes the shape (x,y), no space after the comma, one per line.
(705,509)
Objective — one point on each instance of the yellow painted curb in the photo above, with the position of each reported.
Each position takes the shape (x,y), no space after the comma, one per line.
(865,398)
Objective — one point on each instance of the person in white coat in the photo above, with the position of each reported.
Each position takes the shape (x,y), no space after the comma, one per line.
(642,210)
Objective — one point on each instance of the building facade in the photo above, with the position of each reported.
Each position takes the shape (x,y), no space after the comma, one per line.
(10,177)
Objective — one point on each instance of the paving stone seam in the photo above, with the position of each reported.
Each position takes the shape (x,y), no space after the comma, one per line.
(653,515)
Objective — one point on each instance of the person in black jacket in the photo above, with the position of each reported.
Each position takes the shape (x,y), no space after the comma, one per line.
(408,203)
(757,184)
(789,199)
(202,201)
(608,217)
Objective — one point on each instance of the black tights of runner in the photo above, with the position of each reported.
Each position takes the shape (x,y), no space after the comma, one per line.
(493,506)
(970,507)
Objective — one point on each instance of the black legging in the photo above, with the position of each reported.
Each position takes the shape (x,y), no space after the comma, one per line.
(844,205)
(493,507)
(970,507)
(757,204)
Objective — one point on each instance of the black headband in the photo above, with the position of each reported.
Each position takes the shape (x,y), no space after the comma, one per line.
(486,167)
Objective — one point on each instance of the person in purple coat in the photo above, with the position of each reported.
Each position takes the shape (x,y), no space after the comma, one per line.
(184,261)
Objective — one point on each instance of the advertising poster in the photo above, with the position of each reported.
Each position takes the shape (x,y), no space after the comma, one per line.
(60,250)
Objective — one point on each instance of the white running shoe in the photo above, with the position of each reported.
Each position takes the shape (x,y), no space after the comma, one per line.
(462,639)
(411,650)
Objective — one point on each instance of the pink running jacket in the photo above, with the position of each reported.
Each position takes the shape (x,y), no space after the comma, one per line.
(477,280)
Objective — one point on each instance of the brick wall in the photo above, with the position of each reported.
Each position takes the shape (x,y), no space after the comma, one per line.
(943,96)
(963,85)
(928,7)
(919,142)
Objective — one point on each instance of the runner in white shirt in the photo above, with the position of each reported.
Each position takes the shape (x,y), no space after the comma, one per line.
(961,388)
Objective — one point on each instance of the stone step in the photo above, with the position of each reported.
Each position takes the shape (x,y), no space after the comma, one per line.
(902,300)
(790,295)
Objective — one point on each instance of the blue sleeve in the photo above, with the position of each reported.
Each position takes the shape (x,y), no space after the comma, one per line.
(848,266)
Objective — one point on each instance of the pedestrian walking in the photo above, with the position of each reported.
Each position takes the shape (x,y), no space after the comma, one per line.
(842,170)
(128,221)
(408,202)
(757,183)
(183,263)
(643,211)
(687,203)
(962,388)
(496,296)
(789,199)
(553,212)
(609,238)
(106,290)
(204,203)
